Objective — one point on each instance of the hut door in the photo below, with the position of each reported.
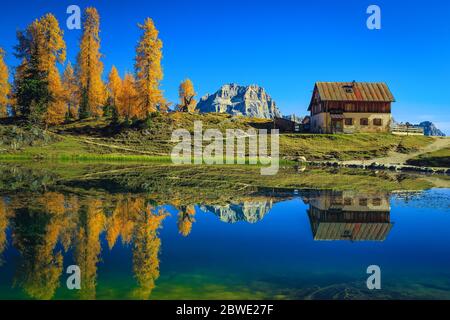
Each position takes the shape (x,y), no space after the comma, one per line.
(337,125)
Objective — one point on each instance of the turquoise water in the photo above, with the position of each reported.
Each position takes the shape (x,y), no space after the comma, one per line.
(289,244)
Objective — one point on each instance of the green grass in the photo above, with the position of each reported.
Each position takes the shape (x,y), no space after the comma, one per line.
(114,158)
(347,147)
(439,158)
(96,140)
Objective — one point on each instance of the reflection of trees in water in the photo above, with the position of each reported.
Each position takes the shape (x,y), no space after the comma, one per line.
(46,225)
(37,229)
(122,221)
(35,237)
(4,221)
(145,250)
(40,223)
(185,220)
(87,245)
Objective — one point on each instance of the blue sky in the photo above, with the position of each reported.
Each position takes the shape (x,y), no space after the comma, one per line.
(284,46)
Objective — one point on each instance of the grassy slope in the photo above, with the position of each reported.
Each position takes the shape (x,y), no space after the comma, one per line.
(439,158)
(346,147)
(97,140)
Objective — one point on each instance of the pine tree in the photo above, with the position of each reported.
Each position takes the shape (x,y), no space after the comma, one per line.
(187,94)
(149,71)
(4,85)
(90,68)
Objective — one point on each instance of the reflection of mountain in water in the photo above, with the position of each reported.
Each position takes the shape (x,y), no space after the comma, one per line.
(349,216)
(249,211)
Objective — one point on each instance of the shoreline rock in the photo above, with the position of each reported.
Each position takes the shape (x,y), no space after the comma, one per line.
(378,166)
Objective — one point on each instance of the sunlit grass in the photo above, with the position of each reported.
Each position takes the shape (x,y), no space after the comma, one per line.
(439,158)
(87,139)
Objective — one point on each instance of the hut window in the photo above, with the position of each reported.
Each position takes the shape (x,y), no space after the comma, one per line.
(364,121)
(348,201)
(377,122)
(348,121)
(376,202)
(363,202)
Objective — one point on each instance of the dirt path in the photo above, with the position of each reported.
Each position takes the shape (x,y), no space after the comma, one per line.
(397,158)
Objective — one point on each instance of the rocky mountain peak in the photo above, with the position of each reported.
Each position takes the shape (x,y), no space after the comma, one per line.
(430,129)
(252,101)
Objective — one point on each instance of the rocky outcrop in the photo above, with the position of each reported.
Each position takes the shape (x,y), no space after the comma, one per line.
(17,138)
(430,129)
(251,101)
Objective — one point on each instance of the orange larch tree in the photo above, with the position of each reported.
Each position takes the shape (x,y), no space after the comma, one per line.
(90,67)
(187,94)
(114,87)
(39,91)
(148,70)
(4,85)
(127,100)
(71,93)
(51,51)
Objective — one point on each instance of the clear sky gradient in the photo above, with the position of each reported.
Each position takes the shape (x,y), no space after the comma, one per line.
(284,46)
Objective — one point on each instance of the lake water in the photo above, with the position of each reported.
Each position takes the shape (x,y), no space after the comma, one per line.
(267,243)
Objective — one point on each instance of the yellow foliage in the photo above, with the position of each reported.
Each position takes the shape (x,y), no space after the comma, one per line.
(53,202)
(114,86)
(71,93)
(5,87)
(146,249)
(126,213)
(4,221)
(127,99)
(186,94)
(88,247)
(90,67)
(185,220)
(48,49)
(148,70)
(42,279)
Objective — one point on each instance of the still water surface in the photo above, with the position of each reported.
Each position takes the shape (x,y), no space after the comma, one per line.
(288,244)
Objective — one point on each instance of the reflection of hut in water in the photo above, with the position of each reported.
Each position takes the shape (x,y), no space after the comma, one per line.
(348,216)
